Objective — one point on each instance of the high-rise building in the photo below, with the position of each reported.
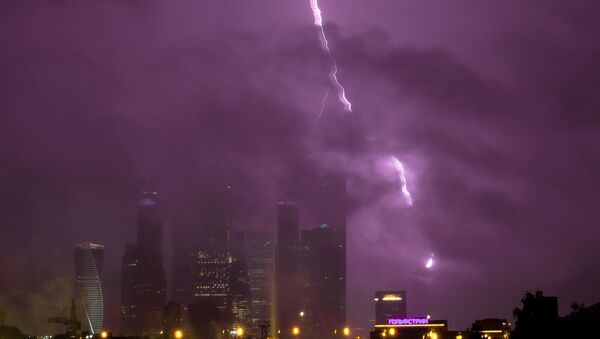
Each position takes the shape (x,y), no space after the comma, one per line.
(89,259)
(325,303)
(214,260)
(173,320)
(185,252)
(147,283)
(213,270)
(388,305)
(240,288)
(260,249)
(290,274)
(325,288)
(129,276)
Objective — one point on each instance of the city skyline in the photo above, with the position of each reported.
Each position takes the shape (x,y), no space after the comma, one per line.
(470,151)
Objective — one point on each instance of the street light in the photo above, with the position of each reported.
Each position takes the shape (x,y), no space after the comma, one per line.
(346,331)
(295,330)
(392,331)
(239,332)
(178,334)
(103,334)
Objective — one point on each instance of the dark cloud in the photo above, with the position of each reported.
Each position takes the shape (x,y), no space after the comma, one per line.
(498,140)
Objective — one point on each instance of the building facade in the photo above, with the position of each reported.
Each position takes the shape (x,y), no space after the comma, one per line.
(89,260)
(325,292)
(389,304)
(260,250)
(144,283)
(290,274)
(413,328)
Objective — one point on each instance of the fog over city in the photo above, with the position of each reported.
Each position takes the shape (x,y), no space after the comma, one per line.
(490,108)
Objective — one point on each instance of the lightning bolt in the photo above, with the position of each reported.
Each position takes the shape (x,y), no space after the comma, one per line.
(320,111)
(429,263)
(403,182)
(341,92)
(333,69)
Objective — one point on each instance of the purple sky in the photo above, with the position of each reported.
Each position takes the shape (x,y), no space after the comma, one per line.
(491,105)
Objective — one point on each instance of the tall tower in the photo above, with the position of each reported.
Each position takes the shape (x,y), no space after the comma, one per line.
(151,288)
(129,278)
(89,259)
(260,247)
(389,304)
(333,221)
(240,288)
(289,273)
(185,252)
(143,273)
(149,227)
(214,259)
(325,301)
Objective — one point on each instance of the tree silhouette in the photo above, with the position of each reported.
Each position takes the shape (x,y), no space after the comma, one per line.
(537,319)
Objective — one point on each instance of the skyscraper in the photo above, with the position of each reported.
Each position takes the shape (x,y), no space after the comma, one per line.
(324,260)
(330,241)
(214,260)
(213,270)
(144,281)
(389,304)
(185,252)
(289,272)
(325,302)
(129,276)
(240,288)
(260,249)
(89,259)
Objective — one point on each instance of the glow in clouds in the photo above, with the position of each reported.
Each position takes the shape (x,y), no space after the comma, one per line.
(314,5)
(403,182)
(429,263)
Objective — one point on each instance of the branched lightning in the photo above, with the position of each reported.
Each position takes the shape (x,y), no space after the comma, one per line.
(403,182)
(314,5)
(341,92)
(321,110)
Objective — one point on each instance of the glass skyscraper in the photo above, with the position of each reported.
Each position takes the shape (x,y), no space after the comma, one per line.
(143,280)
(89,259)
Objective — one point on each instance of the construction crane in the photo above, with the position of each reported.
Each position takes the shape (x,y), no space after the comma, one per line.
(73,325)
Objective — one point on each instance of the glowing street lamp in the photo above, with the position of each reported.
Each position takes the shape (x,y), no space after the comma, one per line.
(295,330)
(178,334)
(103,334)
(346,331)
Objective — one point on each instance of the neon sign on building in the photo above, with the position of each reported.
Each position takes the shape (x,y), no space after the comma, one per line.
(408,321)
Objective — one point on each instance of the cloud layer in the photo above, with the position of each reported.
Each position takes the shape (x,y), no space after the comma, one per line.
(499,141)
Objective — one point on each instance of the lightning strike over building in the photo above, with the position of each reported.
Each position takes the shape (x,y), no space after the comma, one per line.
(333,70)
(403,182)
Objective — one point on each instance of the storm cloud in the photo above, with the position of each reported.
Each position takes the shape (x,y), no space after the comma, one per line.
(497,129)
